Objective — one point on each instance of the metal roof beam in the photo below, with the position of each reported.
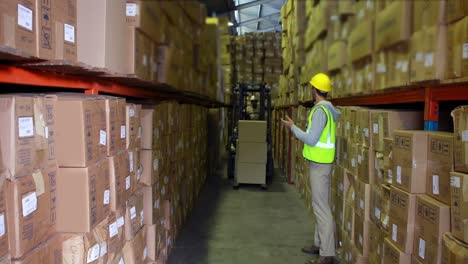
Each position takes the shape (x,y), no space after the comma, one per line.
(250,4)
(256,20)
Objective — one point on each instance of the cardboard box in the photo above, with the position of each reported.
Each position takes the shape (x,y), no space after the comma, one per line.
(19,28)
(402,219)
(254,173)
(456,9)
(393,24)
(148,17)
(432,222)
(459,205)
(92,185)
(149,167)
(375,207)
(24,139)
(81,135)
(349,216)
(44,253)
(361,40)
(31,209)
(134,215)
(457,59)
(136,251)
(440,164)
(4,246)
(252,152)
(386,197)
(393,255)
(410,160)
(337,55)
(361,235)
(366,161)
(116,233)
(388,159)
(453,250)
(376,243)
(147,129)
(139,54)
(381,71)
(102,34)
(120,180)
(385,122)
(116,129)
(252,131)
(134,171)
(151,205)
(364,124)
(133,125)
(362,202)
(57,30)
(460,122)
(428,14)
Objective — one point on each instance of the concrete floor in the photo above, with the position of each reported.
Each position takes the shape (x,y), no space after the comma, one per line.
(245,226)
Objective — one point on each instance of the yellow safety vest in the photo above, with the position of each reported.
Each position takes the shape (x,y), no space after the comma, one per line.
(324,150)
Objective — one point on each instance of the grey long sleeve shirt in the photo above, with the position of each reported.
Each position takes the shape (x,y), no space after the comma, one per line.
(319,120)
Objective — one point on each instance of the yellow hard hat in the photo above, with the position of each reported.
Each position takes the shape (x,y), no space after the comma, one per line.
(321,82)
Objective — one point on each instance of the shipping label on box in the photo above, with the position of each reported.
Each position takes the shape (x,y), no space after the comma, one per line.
(402,219)
(31,209)
(460,121)
(432,222)
(133,125)
(454,251)
(134,216)
(376,209)
(362,202)
(116,233)
(410,151)
(120,179)
(115,125)
(459,209)
(361,234)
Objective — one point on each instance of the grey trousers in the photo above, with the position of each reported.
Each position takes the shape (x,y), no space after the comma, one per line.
(324,225)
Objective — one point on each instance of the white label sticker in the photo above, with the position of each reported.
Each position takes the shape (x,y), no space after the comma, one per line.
(359,159)
(127,183)
(465,51)
(102,137)
(366,132)
(377,213)
(404,66)
(145,253)
(422,248)
(429,59)
(131,10)
(121,261)
(465,135)
(133,212)
(398,174)
(131,112)
(385,221)
(353,162)
(106,196)
(375,128)
(25,17)
(142,216)
(156,204)
(348,225)
(93,253)
(113,229)
(29,203)
(347,125)
(2,225)
(435,184)
(130,156)
(381,68)
(394,232)
(103,249)
(155,164)
(140,131)
(353,196)
(341,186)
(360,239)
(138,174)
(455,181)
(419,56)
(120,222)
(25,126)
(69,33)
(123,131)
(361,204)
(46,130)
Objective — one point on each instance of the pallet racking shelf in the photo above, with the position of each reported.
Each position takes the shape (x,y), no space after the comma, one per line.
(89,84)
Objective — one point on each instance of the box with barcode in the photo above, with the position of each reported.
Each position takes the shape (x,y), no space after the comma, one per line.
(393,254)
(362,202)
(134,216)
(402,219)
(410,160)
(432,222)
(460,123)
(361,234)
(440,164)
(459,205)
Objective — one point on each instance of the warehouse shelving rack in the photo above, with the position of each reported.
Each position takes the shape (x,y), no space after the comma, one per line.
(76,79)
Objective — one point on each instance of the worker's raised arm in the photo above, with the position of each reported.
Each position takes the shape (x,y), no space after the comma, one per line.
(312,135)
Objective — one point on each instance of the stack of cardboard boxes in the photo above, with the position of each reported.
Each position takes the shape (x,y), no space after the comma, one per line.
(251,154)
(76,187)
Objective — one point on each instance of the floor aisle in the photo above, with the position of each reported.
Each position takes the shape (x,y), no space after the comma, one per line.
(244,226)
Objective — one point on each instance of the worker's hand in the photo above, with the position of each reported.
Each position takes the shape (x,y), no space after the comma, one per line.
(288,122)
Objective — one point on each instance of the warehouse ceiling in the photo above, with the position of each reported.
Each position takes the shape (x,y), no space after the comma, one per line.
(248,15)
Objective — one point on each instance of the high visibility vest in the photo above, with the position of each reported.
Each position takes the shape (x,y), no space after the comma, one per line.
(324,150)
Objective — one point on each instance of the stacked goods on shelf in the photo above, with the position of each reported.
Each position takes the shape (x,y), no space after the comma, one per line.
(227,53)
(73,177)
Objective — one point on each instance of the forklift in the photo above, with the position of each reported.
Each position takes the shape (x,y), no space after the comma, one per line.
(242,93)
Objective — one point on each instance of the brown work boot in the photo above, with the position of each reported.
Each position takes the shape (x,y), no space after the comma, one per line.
(312,250)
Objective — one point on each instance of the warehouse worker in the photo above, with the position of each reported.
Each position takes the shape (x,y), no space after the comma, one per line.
(252,109)
(319,152)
